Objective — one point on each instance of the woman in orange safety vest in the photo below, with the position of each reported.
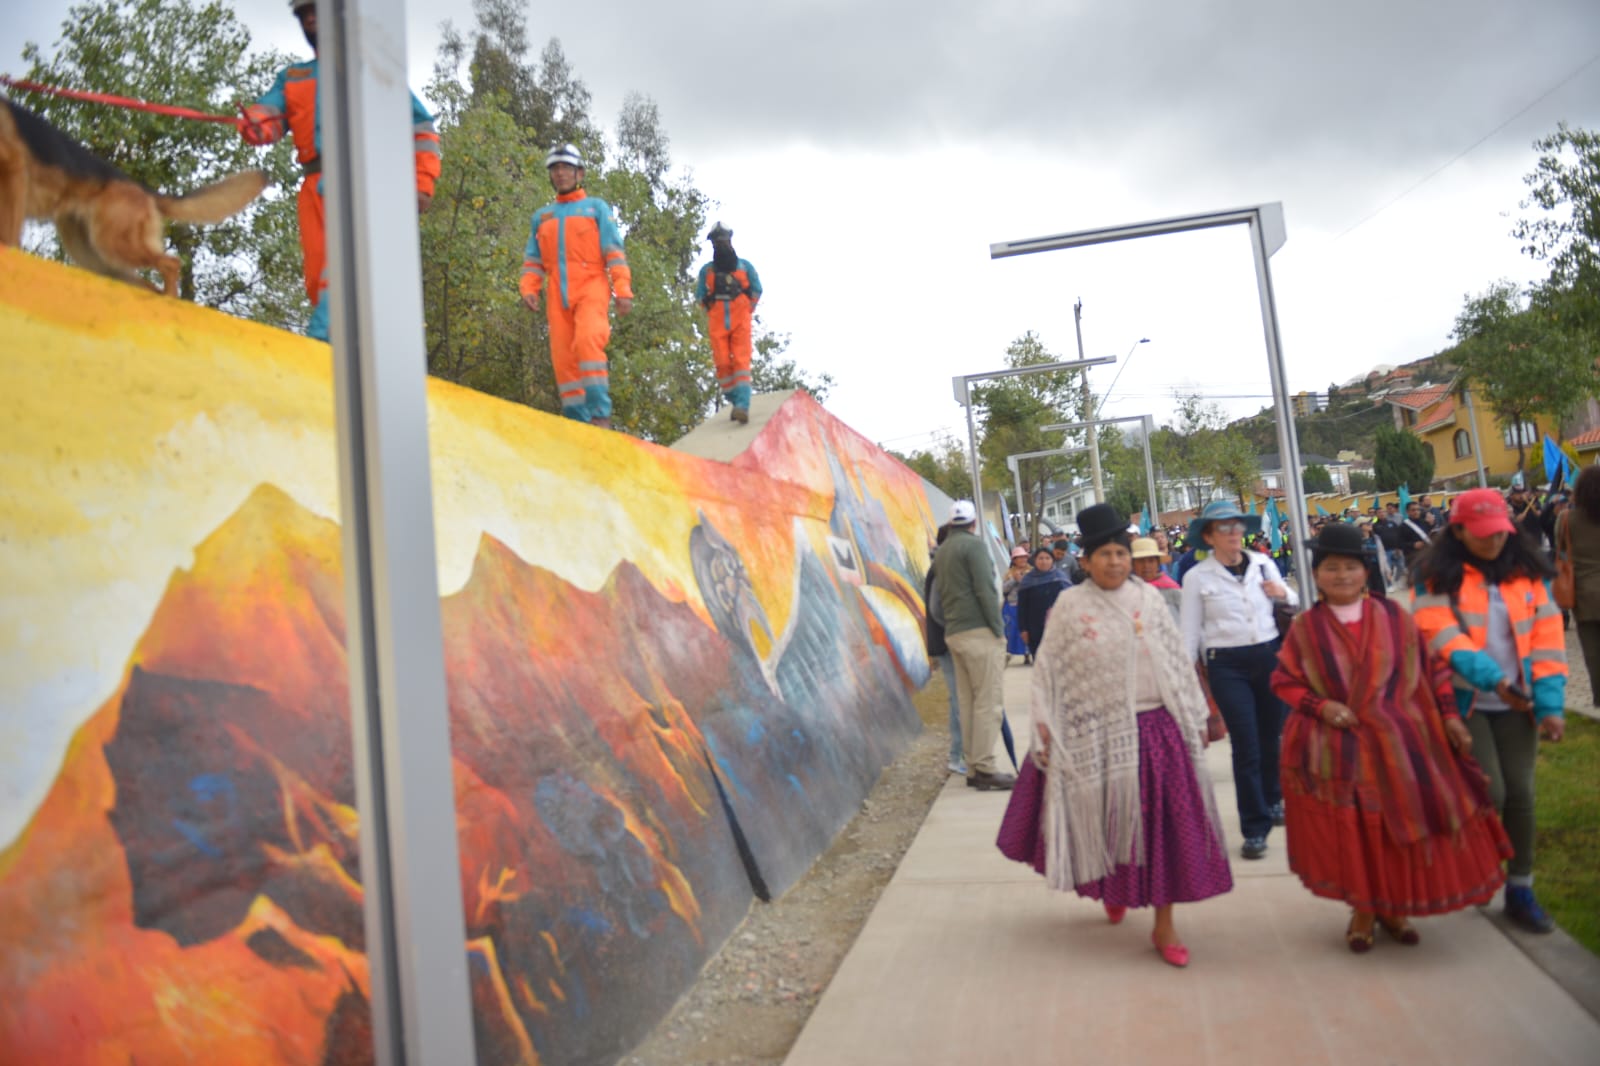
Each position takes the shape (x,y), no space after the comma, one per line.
(1483,606)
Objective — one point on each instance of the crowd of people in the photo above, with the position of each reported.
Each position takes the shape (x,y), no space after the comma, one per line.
(1390,734)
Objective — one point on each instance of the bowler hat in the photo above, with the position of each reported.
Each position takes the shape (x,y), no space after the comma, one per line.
(1337,538)
(1217,511)
(1098,524)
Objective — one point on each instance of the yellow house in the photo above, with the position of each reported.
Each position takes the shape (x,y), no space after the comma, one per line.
(1438,414)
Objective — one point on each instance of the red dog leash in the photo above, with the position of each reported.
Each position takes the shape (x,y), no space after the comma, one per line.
(237,121)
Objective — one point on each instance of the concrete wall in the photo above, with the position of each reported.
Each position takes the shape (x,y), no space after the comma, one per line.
(651,657)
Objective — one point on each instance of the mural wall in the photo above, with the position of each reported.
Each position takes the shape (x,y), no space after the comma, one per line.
(670,682)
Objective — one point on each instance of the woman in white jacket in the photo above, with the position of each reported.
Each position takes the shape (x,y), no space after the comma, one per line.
(1228,626)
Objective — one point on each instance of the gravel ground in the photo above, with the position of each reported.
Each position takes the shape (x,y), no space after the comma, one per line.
(754,996)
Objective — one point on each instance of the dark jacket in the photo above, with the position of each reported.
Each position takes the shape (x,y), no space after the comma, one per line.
(933,632)
(1035,597)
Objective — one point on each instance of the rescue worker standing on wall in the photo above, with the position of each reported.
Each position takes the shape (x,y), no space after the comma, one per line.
(729,289)
(575,246)
(292,101)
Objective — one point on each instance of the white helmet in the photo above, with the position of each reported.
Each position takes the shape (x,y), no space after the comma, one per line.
(563,153)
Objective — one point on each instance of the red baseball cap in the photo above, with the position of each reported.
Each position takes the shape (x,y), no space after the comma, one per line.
(1482,513)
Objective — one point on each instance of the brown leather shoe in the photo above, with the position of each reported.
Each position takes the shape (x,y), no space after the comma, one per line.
(991,782)
(741,415)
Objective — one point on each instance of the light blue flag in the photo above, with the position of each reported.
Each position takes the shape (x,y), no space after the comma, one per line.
(1322,511)
(1376,504)
(1274,536)
(1557,467)
(1405,498)
(1144,521)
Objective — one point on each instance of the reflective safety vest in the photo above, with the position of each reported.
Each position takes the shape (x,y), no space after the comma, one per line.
(1458,630)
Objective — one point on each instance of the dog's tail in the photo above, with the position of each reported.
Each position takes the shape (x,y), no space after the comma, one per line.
(217,201)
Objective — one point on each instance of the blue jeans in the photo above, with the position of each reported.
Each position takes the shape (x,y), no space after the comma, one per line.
(948,665)
(1239,681)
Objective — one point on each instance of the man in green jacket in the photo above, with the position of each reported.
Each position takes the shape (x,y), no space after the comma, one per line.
(969,595)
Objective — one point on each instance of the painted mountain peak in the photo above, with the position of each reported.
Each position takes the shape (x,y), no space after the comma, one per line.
(628,778)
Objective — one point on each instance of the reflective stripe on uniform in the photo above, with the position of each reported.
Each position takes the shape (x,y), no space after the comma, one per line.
(1443,637)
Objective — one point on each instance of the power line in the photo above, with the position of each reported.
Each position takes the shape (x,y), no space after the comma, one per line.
(1581,67)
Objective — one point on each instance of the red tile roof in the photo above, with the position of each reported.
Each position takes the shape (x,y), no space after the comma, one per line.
(1588,440)
(1438,416)
(1417,399)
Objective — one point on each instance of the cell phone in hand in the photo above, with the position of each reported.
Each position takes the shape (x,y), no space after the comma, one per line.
(1518,692)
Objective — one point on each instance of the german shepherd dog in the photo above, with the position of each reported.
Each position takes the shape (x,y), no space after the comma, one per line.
(107,222)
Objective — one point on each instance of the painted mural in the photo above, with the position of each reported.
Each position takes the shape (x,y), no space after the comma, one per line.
(670,682)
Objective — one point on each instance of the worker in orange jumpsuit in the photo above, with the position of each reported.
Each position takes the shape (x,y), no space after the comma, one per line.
(574,246)
(292,101)
(729,289)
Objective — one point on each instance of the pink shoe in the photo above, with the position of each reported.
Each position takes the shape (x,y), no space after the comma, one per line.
(1173,954)
(1115,914)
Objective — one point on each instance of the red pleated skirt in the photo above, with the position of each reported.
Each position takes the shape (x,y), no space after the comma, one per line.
(1346,853)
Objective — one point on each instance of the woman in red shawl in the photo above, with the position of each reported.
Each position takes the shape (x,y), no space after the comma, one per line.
(1384,807)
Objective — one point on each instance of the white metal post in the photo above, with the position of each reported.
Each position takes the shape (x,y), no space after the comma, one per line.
(961,386)
(1472,429)
(1266,236)
(410,867)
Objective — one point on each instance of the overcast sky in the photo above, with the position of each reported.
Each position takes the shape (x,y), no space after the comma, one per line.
(867,153)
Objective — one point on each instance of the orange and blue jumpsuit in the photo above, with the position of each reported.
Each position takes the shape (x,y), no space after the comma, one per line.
(292,102)
(575,246)
(728,315)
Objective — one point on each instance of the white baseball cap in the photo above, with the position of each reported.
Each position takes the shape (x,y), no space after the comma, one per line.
(963,513)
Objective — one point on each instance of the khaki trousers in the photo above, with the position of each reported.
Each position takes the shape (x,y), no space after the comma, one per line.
(980,659)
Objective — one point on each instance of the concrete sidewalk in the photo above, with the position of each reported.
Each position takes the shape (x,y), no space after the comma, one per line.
(968,958)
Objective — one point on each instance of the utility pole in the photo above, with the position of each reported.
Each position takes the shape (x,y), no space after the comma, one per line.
(1092,440)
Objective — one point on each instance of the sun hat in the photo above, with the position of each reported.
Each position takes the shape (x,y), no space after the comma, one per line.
(1146,548)
(1218,511)
(1482,513)
(1019,552)
(963,513)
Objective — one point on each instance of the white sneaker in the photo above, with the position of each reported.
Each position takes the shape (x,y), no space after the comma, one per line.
(956,766)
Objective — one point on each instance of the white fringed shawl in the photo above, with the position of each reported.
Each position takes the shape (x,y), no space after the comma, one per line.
(1083,684)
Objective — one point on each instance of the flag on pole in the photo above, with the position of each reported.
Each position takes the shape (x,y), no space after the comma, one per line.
(1274,535)
(1557,467)
(1322,511)
(1405,498)
(1144,521)
(1376,505)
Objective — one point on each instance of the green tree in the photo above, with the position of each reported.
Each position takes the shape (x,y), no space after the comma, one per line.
(1316,478)
(1565,187)
(1362,482)
(1519,362)
(1401,459)
(198,56)
(1204,449)
(771,372)
(1122,460)
(500,108)
(1010,413)
(944,464)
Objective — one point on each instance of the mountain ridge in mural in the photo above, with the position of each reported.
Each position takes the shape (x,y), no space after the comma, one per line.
(204,815)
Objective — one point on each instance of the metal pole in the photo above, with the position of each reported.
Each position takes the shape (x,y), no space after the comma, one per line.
(1472,428)
(1150,471)
(1288,442)
(1022,510)
(972,454)
(410,866)
(1092,440)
